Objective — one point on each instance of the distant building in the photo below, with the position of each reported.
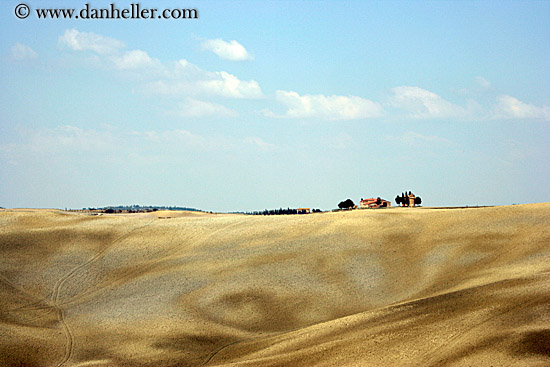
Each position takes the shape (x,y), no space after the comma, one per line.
(373,203)
(303,211)
(409,199)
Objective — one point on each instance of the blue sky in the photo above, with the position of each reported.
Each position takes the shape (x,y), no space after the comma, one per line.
(277,104)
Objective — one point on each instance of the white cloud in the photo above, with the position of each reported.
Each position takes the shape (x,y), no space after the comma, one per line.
(228,85)
(132,60)
(200,82)
(421,104)
(232,50)
(184,70)
(20,52)
(83,41)
(327,107)
(109,51)
(195,108)
(509,107)
(259,143)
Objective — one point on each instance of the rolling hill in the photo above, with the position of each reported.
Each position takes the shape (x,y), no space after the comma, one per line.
(392,287)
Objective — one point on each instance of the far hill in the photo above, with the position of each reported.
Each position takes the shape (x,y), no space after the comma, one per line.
(142,208)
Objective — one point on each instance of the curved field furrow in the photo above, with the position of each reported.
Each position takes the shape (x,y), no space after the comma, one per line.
(70,342)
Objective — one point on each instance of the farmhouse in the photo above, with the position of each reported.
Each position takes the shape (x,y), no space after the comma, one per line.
(373,203)
(303,211)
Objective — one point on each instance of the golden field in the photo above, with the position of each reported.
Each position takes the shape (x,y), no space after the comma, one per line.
(392,287)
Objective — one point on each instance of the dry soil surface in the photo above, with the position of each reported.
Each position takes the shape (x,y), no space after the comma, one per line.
(391,287)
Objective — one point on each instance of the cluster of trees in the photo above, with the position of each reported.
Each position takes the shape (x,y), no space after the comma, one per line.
(280,211)
(346,204)
(404,199)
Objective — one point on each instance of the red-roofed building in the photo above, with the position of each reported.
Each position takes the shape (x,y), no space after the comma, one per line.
(373,203)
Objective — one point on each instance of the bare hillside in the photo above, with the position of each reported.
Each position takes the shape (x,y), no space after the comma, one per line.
(394,287)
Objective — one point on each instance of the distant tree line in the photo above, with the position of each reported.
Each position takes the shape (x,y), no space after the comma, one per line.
(139,208)
(279,211)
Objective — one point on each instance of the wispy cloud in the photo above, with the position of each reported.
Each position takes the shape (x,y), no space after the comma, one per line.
(68,140)
(200,82)
(423,104)
(182,78)
(111,53)
(136,59)
(194,108)
(20,52)
(231,50)
(228,85)
(327,107)
(84,41)
(482,82)
(509,107)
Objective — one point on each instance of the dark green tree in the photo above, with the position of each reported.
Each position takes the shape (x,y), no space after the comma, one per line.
(347,204)
(398,200)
